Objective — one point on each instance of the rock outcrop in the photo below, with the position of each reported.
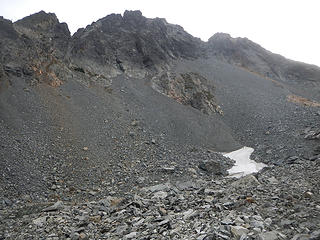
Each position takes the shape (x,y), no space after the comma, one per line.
(189,89)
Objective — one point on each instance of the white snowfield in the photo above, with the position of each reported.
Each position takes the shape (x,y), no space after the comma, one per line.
(244,165)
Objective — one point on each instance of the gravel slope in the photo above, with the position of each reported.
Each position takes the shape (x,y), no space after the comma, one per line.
(81,133)
(258,112)
(77,144)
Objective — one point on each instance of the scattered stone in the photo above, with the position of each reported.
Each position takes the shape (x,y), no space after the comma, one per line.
(315,157)
(308,194)
(248,180)
(238,231)
(273,180)
(257,224)
(159,187)
(187,185)
(168,169)
(268,221)
(134,123)
(268,236)
(95,219)
(160,195)
(209,191)
(83,236)
(315,235)
(141,179)
(162,211)
(131,235)
(74,236)
(93,193)
(190,214)
(250,199)
(292,160)
(312,134)
(40,221)
(55,207)
(227,221)
(301,237)
(209,199)
(211,167)
(192,170)
(164,222)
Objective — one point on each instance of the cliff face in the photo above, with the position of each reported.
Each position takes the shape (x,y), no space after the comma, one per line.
(35,47)
(132,44)
(47,32)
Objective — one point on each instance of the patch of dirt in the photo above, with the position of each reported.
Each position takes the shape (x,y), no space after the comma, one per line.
(302,101)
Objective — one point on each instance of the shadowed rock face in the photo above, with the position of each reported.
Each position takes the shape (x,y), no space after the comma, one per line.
(48,34)
(132,44)
(6,30)
(251,56)
(35,47)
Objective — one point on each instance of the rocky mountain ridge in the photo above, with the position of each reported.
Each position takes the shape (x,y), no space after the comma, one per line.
(246,54)
(132,45)
(138,46)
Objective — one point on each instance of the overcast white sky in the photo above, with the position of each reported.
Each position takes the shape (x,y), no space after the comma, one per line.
(288,27)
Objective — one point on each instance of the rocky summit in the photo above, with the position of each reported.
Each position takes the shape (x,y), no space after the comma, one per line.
(120,130)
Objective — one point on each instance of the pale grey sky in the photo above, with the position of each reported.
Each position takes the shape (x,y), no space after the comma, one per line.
(287,27)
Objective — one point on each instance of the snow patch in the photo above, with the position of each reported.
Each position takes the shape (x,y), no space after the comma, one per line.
(244,165)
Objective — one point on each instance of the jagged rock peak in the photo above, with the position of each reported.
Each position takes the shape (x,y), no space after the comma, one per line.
(38,20)
(136,15)
(132,14)
(2,19)
(220,36)
(133,19)
(6,29)
(133,44)
(45,26)
(226,37)
(127,15)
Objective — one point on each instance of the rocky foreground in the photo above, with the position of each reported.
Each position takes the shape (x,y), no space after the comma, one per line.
(281,202)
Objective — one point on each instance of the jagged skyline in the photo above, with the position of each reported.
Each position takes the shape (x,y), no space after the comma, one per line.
(286,27)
